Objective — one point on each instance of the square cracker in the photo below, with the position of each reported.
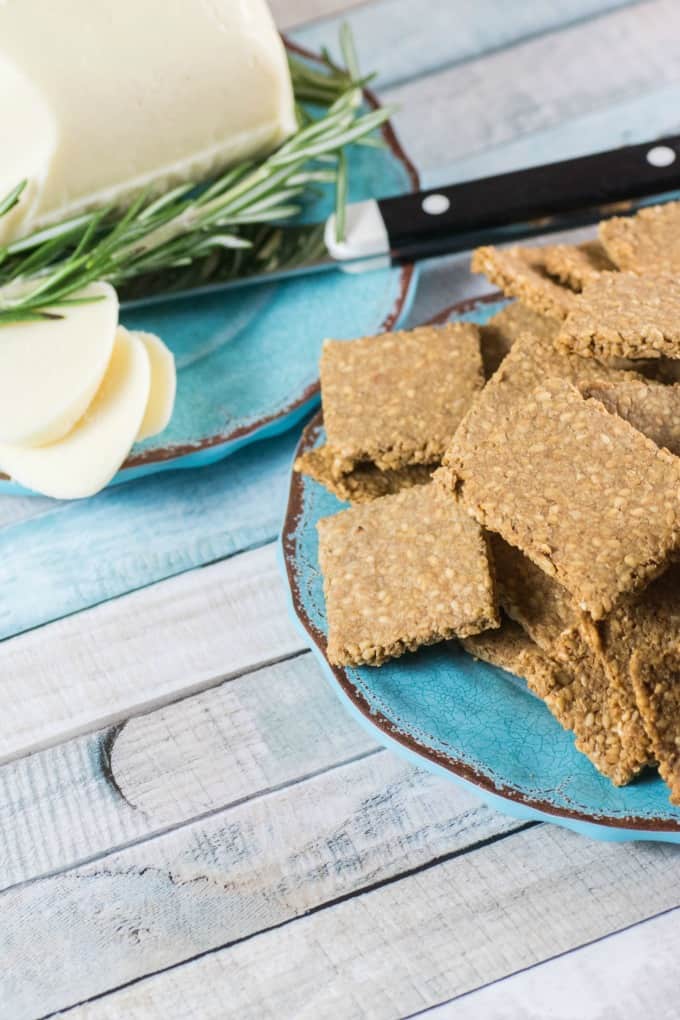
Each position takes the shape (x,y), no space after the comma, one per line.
(582,493)
(575,265)
(651,407)
(500,332)
(521,273)
(624,315)
(533,359)
(648,242)
(400,572)
(365,481)
(396,399)
(656,681)
(644,625)
(512,649)
(578,699)
(615,740)
(541,606)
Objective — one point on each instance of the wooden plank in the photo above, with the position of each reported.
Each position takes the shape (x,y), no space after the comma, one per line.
(159,527)
(139,533)
(415,942)
(290,13)
(143,650)
(632,974)
(14,509)
(399,46)
(636,120)
(517,92)
(227,877)
(63,806)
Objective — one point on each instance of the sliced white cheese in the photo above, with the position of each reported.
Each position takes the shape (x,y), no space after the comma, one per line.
(29,139)
(163,386)
(148,91)
(51,369)
(87,459)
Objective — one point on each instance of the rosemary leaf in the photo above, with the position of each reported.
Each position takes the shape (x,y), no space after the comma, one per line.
(10,200)
(341,196)
(198,233)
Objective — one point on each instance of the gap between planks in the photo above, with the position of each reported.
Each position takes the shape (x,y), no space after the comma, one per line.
(411,944)
(94,669)
(630,973)
(201,756)
(510,100)
(402,49)
(229,877)
(515,93)
(291,14)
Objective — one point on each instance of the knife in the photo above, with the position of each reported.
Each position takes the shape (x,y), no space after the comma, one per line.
(490,210)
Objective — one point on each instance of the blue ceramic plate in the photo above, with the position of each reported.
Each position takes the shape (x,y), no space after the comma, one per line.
(248,358)
(464,719)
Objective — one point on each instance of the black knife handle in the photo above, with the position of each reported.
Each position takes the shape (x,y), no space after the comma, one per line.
(457,217)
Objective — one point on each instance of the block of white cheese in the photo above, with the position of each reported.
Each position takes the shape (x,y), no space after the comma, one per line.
(51,369)
(29,139)
(86,460)
(163,386)
(144,92)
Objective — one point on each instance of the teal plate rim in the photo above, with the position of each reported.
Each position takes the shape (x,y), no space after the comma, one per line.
(505,798)
(210,448)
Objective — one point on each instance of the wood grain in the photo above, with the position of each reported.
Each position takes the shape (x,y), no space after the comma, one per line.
(289,13)
(251,735)
(633,121)
(142,650)
(14,509)
(227,877)
(136,534)
(418,941)
(517,92)
(257,733)
(285,813)
(399,46)
(492,113)
(632,974)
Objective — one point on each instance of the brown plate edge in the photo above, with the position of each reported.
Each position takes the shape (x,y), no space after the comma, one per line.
(377,719)
(165,453)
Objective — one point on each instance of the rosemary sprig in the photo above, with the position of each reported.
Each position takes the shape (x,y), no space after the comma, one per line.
(202,232)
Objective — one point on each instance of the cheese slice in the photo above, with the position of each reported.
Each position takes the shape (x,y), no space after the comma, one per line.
(163,386)
(86,460)
(51,369)
(29,133)
(146,92)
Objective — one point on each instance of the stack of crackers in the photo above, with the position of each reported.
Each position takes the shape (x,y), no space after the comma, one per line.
(517,486)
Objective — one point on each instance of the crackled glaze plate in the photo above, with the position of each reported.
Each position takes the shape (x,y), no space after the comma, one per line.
(248,358)
(466,720)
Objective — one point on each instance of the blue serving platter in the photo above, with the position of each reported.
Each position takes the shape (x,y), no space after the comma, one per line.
(464,719)
(247,358)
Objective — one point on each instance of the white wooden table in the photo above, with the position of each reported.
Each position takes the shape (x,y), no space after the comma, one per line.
(190,825)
